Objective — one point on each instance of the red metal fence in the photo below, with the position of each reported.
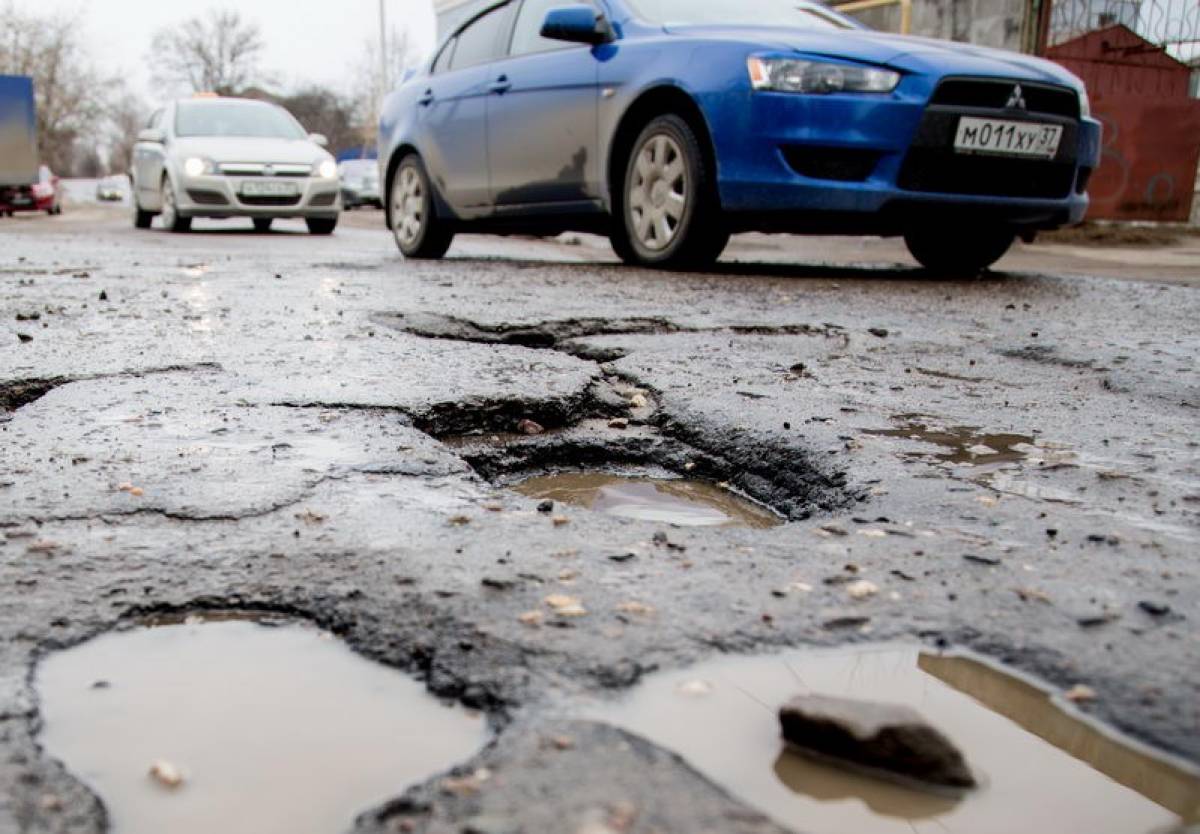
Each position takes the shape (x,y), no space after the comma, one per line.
(1129,54)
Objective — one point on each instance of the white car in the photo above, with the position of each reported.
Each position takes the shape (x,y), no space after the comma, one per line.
(228,157)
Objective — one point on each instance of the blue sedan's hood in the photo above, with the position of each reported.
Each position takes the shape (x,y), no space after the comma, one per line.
(903,52)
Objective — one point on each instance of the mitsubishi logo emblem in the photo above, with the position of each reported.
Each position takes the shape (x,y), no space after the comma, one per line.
(1017,100)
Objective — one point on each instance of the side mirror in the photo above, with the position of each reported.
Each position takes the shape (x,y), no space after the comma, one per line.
(577,24)
(319,139)
(152,135)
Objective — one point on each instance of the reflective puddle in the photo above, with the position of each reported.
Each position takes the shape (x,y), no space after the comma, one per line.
(679,502)
(1040,768)
(960,445)
(274,730)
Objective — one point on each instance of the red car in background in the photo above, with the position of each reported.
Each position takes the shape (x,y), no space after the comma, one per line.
(44,195)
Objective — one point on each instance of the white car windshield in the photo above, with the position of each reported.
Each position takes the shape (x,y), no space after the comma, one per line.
(212,118)
(788,13)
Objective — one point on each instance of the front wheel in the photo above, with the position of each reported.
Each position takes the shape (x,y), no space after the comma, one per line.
(321,225)
(172,221)
(958,252)
(419,232)
(669,213)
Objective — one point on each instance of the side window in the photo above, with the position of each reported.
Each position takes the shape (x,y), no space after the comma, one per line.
(442,62)
(527,35)
(480,43)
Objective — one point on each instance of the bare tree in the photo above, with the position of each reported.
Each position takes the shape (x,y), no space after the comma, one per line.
(125,117)
(322,110)
(376,77)
(218,53)
(70,96)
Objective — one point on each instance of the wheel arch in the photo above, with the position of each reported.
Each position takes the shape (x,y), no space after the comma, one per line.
(658,100)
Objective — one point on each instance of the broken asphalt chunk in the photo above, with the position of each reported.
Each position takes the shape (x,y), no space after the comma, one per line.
(889,739)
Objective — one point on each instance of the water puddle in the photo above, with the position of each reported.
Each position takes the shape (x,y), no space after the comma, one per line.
(679,502)
(961,445)
(1040,767)
(275,730)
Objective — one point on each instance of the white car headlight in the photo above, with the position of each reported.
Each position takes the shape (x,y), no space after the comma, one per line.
(327,169)
(792,75)
(195,166)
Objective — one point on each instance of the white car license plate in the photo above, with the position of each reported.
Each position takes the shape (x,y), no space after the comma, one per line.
(269,189)
(1004,138)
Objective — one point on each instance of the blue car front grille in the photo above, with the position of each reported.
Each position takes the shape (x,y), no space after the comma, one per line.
(994,94)
(933,166)
(946,172)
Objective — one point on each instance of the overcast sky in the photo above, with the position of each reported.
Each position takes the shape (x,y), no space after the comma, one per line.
(306,40)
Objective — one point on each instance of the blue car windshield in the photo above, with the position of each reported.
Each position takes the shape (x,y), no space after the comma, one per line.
(211,118)
(757,13)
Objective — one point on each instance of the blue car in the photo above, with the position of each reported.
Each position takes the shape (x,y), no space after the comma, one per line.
(670,124)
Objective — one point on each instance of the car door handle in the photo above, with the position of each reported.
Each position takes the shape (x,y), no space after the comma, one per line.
(500,86)
(426,99)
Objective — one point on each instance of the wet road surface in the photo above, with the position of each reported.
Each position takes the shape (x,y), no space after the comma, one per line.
(228,421)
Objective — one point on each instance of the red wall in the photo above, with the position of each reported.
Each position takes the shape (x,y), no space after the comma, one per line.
(1151,126)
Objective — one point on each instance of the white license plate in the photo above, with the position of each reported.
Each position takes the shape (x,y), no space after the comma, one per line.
(269,188)
(1004,138)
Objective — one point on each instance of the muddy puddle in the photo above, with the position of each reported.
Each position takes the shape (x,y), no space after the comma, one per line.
(275,730)
(1040,767)
(683,503)
(958,445)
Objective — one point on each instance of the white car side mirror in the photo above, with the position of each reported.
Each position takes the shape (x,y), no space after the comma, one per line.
(152,135)
(319,139)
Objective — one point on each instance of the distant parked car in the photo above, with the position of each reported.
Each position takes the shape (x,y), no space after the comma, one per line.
(44,195)
(227,157)
(109,190)
(670,124)
(360,183)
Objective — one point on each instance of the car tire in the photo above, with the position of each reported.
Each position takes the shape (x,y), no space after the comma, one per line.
(321,225)
(669,214)
(262,225)
(141,218)
(172,222)
(419,232)
(956,252)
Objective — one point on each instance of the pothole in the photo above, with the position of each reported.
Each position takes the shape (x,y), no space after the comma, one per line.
(675,501)
(1040,765)
(271,726)
(618,457)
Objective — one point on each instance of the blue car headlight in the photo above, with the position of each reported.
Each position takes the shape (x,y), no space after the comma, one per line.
(794,75)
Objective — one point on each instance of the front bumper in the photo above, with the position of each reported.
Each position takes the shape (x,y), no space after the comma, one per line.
(222,195)
(881,164)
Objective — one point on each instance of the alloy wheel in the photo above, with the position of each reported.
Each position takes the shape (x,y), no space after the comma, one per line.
(408,207)
(658,192)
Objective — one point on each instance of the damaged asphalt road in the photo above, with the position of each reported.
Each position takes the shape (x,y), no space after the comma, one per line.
(302,425)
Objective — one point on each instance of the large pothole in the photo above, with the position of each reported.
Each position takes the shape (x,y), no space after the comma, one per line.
(1041,766)
(237,723)
(617,448)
